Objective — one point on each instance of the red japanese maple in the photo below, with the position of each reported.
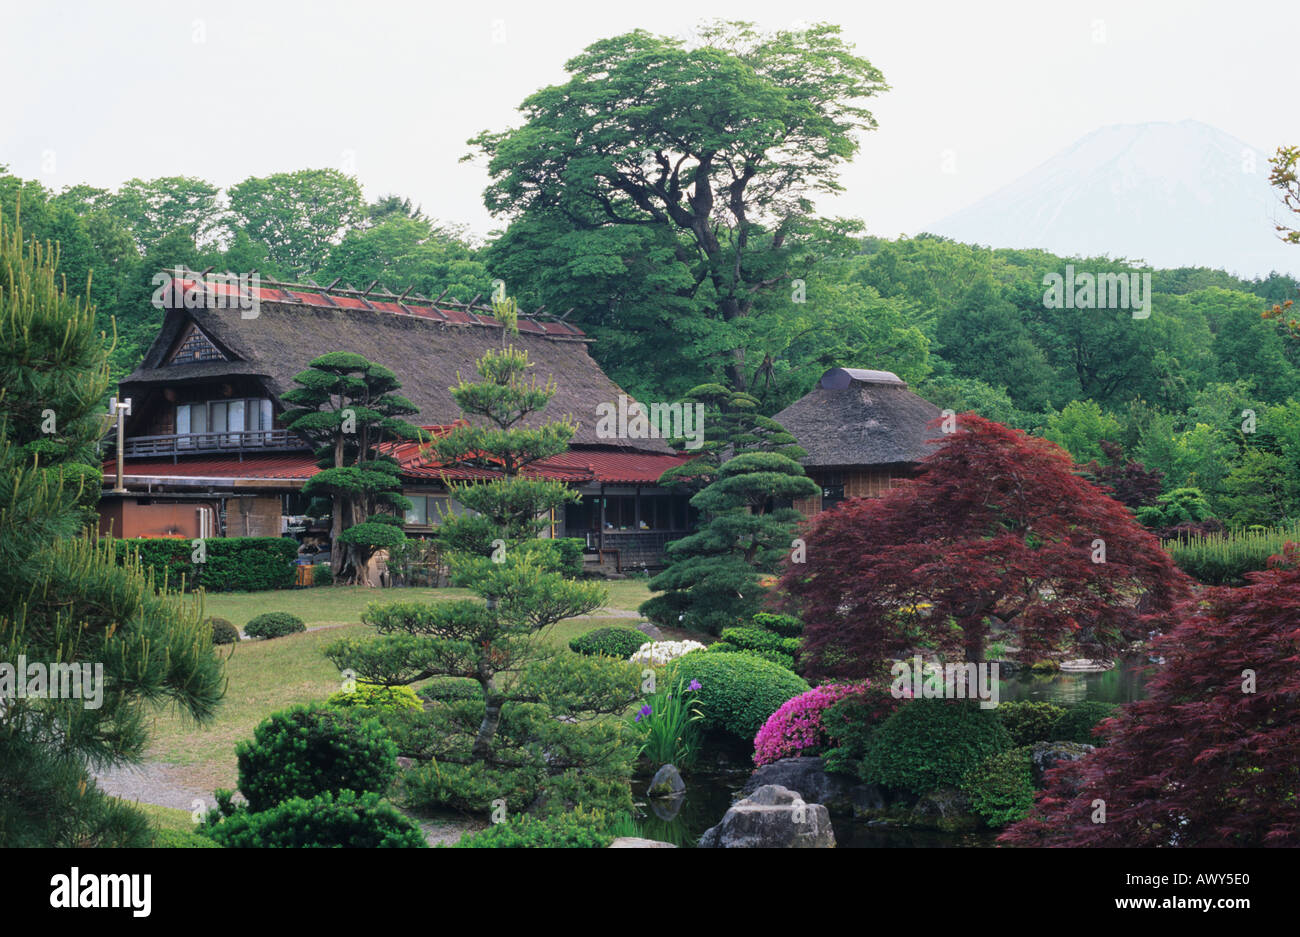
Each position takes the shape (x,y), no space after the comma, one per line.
(1202,761)
(998,530)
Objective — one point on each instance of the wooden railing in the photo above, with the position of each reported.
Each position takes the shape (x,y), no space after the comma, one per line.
(238,441)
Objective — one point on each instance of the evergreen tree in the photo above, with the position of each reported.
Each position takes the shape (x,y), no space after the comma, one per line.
(510,741)
(349,407)
(63,599)
(713,576)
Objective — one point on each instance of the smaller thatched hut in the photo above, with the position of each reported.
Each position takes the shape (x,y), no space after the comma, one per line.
(863,431)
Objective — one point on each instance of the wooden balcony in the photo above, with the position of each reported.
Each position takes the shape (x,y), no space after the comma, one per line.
(266,440)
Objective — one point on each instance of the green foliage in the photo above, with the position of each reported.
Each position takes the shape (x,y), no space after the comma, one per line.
(182,839)
(1001,788)
(667,724)
(443,689)
(737,691)
(616,642)
(223,631)
(322,575)
(1078,721)
(274,625)
(230,564)
(1179,506)
(310,750)
(344,819)
(787,626)
(371,698)
(849,725)
(1080,428)
(63,598)
(1028,722)
(932,743)
(1224,559)
(297,215)
(581,829)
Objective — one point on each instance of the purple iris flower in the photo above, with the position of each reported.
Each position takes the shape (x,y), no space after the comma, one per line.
(694,685)
(643,711)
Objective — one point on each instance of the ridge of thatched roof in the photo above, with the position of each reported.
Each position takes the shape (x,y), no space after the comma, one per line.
(427,352)
(856,417)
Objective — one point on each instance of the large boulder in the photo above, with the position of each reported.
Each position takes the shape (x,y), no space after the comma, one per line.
(1046,755)
(809,778)
(636,842)
(773,817)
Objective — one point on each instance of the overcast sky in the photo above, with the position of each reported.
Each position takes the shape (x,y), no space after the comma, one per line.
(102,92)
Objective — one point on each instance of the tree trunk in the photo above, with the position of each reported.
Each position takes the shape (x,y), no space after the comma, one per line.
(487,729)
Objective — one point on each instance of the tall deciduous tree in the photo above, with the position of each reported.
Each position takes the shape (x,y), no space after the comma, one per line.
(64,602)
(299,215)
(1212,756)
(718,150)
(997,532)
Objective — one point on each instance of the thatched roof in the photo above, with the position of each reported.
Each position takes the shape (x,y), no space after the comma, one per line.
(424,344)
(861,418)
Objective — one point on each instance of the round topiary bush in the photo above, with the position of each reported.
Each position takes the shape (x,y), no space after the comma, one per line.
(223,632)
(1029,722)
(274,625)
(613,642)
(346,819)
(1001,788)
(1077,723)
(932,743)
(738,692)
(370,697)
(310,750)
(796,727)
(849,724)
(451,689)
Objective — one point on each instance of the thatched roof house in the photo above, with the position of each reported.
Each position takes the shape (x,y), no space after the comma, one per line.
(862,430)
(206,452)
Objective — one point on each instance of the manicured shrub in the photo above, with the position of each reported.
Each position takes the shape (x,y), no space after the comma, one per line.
(274,625)
(445,689)
(372,698)
(932,743)
(580,829)
(787,626)
(1001,788)
(246,564)
(1077,722)
(344,819)
(614,642)
(223,632)
(738,692)
(776,657)
(1029,722)
(796,727)
(309,750)
(322,575)
(563,554)
(850,723)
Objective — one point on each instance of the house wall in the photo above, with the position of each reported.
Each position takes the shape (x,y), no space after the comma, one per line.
(253,517)
(126,518)
(858,483)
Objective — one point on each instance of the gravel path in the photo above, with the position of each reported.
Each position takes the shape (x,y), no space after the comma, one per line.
(153,783)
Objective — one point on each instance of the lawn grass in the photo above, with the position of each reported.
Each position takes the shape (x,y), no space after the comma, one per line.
(267,676)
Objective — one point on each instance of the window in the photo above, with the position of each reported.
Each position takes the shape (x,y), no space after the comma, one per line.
(832,489)
(238,418)
(429,510)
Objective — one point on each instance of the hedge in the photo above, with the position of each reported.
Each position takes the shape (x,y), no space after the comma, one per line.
(244,564)
(1224,559)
